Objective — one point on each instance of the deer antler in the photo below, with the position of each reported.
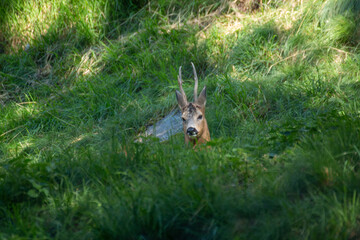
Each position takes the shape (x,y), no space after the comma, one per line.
(180,85)
(196,83)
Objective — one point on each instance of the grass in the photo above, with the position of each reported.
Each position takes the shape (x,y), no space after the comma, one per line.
(79,80)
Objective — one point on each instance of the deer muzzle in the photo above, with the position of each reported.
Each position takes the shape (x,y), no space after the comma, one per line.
(192,132)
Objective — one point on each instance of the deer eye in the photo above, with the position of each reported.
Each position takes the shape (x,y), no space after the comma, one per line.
(183,119)
(200,117)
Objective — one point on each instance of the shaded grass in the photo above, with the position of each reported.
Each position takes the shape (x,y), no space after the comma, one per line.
(282,111)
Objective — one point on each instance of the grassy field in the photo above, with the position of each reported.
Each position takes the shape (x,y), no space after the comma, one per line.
(79,80)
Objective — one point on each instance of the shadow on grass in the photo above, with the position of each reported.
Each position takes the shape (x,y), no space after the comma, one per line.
(86,175)
(137,73)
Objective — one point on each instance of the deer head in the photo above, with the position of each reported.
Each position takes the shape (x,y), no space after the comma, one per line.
(193,113)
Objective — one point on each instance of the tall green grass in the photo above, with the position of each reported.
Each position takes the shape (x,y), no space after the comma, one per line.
(79,80)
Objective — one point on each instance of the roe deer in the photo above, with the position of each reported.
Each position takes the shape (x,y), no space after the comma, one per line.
(193,113)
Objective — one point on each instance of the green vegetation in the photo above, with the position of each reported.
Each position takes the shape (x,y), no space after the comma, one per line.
(79,80)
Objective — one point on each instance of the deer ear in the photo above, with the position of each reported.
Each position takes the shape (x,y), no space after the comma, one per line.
(202,97)
(180,99)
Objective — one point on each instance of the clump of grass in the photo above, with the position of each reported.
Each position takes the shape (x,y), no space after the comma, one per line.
(341,19)
(334,8)
(282,109)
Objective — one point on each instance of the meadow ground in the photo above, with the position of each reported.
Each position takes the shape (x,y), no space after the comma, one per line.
(79,80)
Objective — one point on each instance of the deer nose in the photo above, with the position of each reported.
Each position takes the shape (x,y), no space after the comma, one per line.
(192,131)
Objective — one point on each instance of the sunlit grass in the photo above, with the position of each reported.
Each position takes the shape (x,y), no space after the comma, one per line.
(79,81)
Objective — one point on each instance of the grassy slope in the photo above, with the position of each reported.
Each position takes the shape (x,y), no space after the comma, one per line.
(282,109)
